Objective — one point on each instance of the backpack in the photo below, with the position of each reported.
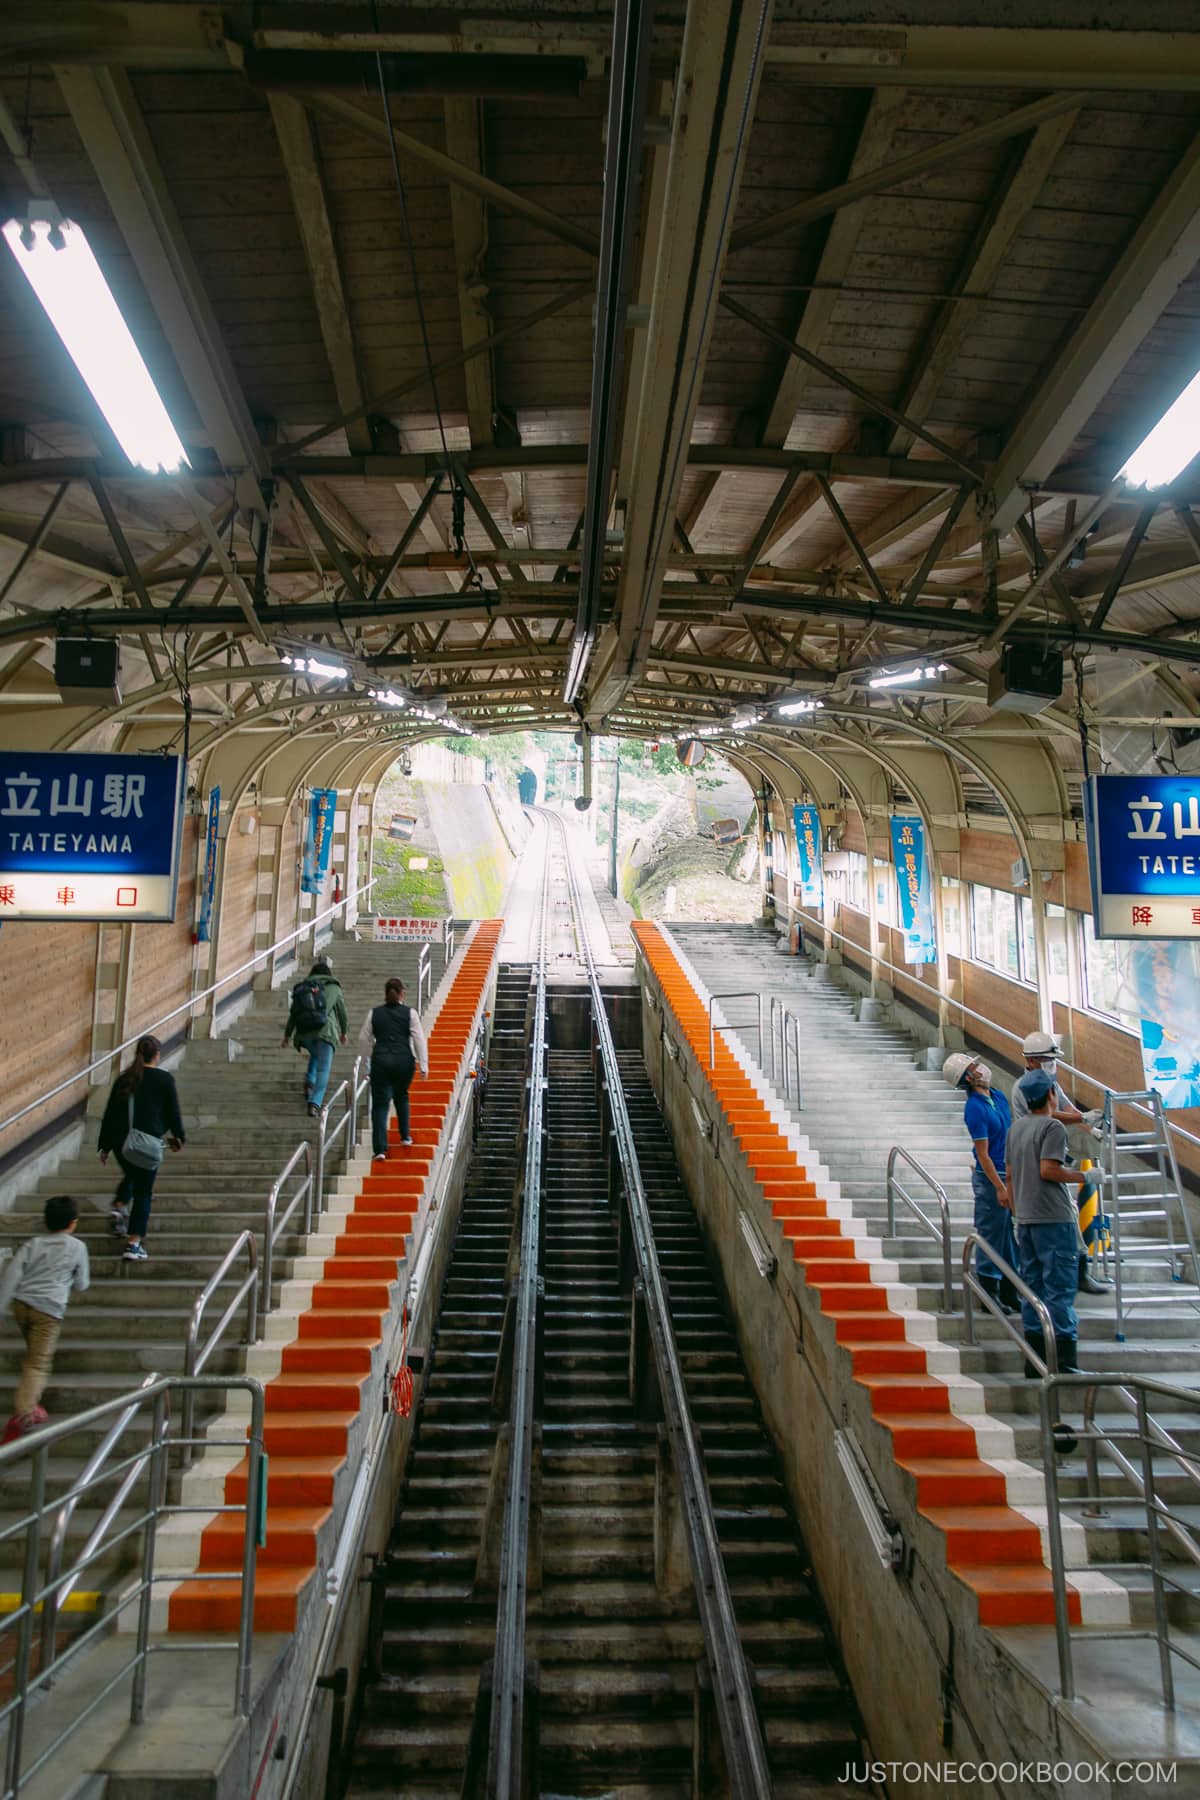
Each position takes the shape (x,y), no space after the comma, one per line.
(308,1007)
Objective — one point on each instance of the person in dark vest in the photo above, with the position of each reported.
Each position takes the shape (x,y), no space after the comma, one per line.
(142,1114)
(394,1039)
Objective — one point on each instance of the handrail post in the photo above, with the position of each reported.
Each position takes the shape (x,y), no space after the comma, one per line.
(254,1454)
(154,1505)
(1058,1570)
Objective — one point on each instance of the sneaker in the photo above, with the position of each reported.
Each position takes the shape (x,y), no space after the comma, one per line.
(136,1253)
(407,1141)
(379,1156)
(21,1424)
(119,1221)
(314,1112)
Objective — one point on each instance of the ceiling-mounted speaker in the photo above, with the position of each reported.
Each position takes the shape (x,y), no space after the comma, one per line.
(1027,679)
(87,670)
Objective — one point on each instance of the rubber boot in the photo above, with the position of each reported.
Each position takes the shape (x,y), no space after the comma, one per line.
(994,1288)
(1068,1364)
(1087,1283)
(1037,1344)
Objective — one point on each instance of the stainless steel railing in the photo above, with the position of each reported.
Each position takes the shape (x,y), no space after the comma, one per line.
(195,1356)
(424,975)
(39,1591)
(779,1069)
(353,1088)
(1160,1520)
(748,1025)
(274,1223)
(973,1289)
(59,1590)
(939,1231)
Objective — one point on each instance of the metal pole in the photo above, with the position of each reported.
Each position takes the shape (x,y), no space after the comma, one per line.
(254,1449)
(154,1503)
(1062,1618)
(1162,1624)
(29,1585)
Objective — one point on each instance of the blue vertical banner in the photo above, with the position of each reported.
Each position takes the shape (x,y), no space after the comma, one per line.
(808,853)
(318,838)
(208,882)
(915,885)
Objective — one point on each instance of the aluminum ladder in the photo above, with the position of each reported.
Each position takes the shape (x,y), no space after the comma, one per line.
(1144,1200)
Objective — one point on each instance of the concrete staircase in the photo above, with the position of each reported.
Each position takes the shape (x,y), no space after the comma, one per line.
(243,1119)
(862,1092)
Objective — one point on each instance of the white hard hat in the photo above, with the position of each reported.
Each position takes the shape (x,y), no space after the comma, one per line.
(956,1066)
(1040,1043)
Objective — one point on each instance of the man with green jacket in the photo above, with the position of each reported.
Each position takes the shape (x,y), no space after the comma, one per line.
(317,1020)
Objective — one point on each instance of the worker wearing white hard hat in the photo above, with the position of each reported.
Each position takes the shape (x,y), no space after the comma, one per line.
(1042,1050)
(987,1118)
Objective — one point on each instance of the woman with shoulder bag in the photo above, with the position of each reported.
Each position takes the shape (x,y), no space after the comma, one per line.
(142,1112)
(394,1039)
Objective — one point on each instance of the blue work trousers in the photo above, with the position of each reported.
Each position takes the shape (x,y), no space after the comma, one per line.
(995,1223)
(1050,1266)
(320,1061)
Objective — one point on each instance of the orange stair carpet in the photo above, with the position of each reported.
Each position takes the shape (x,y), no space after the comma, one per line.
(318,1394)
(990,1547)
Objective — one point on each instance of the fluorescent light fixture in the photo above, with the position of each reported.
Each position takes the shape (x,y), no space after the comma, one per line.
(312,665)
(927,672)
(1167,450)
(387,697)
(794,707)
(79,304)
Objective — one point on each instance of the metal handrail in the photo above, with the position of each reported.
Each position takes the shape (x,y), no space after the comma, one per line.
(940,1234)
(749,1025)
(272,1229)
(1157,1513)
(733,1693)
(506,1776)
(61,1591)
(424,974)
(39,1593)
(1185,1460)
(354,1086)
(786,1016)
(195,1358)
(972,1285)
(449,946)
(187,1007)
(1013,1037)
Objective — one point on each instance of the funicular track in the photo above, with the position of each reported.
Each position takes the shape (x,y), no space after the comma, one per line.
(594,1585)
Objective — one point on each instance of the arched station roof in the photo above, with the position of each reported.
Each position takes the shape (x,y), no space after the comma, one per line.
(841,379)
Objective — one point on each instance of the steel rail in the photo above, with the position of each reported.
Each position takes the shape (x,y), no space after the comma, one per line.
(733,1689)
(505,1779)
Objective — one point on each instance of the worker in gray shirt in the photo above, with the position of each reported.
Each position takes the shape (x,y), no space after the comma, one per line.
(36,1286)
(1039,1183)
(1042,1051)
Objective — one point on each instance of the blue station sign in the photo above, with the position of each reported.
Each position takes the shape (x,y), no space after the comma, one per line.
(89,837)
(1143,834)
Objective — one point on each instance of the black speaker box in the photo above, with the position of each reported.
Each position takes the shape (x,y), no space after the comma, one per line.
(86,671)
(1027,679)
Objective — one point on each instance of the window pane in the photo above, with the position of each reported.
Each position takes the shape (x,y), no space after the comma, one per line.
(1028,944)
(1102,972)
(952,922)
(1058,923)
(994,926)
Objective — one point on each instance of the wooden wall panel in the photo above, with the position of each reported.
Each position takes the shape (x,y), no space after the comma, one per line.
(48,974)
(240,885)
(162,954)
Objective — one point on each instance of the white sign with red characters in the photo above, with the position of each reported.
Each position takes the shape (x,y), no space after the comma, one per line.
(409,931)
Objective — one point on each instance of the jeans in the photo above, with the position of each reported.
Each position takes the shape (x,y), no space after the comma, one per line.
(40,1332)
(135,1190)
(389,1081)
(320,1061)
(1050,1266)
(995,1223)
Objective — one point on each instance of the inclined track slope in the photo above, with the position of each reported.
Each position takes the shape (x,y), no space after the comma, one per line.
(618,1650)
